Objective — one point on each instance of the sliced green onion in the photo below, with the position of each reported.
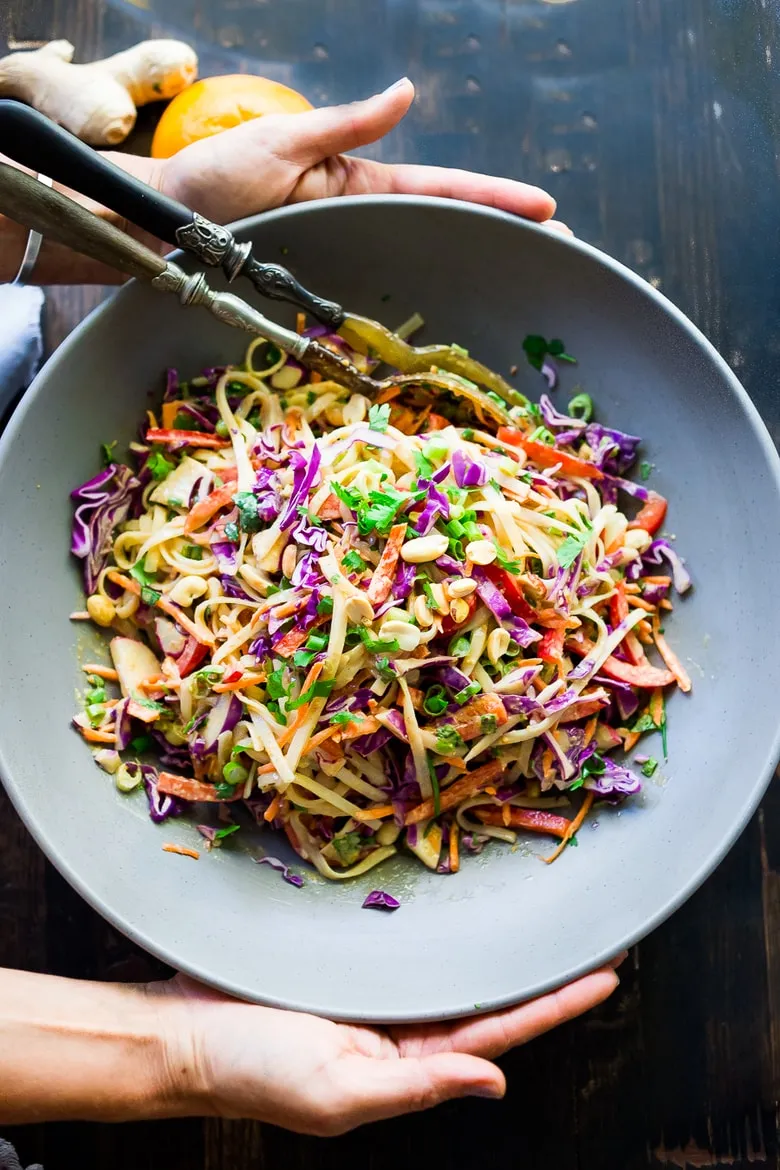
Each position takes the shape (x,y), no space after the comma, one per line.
(581,406)
(435,701)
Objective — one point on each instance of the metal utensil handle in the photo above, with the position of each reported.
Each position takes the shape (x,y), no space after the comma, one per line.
(56,217)
(30,138)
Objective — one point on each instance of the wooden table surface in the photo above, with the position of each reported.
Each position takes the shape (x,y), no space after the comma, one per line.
(656,125)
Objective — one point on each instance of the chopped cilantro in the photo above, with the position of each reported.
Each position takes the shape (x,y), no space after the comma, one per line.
(649,767)
(274,684)
(572,547)
(645,722)
(311,398)
(346,717)
(379,417)
(345,494)
(379,510)
(226,832)
(303,657)
(325,606)
(573,841)
(305,514)
(107,452)
(353,561)
(140,574)
(318,690)
(644,469)
(231,532)
(504,561)
(224,790)
(536,349)
(142,743)
(248,516)
(487,724)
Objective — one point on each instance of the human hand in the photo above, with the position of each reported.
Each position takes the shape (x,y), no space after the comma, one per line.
(310,1075)
(285,158)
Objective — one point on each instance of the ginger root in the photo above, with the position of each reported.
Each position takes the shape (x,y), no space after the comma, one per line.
(97,102)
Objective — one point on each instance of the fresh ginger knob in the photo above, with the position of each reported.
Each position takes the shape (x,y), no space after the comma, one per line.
(97,101)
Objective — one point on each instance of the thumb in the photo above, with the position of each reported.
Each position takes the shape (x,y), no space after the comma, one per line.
(389,1088)
(318,134)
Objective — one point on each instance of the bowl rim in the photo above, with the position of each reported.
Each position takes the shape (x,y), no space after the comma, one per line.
(742,812)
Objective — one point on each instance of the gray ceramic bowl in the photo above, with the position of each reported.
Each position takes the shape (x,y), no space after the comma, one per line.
(506,927)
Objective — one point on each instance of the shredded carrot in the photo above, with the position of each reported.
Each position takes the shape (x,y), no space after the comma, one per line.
(300,322)
(640,603)
(382,580)
(468,785)
(163,603)
(664,604)
(314,378)
(273,808)
(506,814)
(657,580)
(302,712)
(168,414)
(631,587)
(630,740)
(670,658)
(264,769)
(590,729)
(375,814)
(246,680)
(93,736)
(182,851)
(152,419)
(106,672)
(573,827)
(656,707)
(388,395)
(454,852)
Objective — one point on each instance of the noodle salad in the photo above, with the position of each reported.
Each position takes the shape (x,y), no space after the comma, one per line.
(420,622)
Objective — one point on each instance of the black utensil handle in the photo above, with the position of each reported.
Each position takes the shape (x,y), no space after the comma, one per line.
(59,218)
(34,141)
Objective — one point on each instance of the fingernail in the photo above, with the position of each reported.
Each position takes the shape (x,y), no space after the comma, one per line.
(396,85)
(491,1091)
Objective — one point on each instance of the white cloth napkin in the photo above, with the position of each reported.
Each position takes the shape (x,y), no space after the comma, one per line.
(21,342)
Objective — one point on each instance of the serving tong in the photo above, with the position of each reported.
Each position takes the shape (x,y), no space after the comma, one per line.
(34,141)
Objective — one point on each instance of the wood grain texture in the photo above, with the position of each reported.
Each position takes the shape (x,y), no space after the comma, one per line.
(656,125)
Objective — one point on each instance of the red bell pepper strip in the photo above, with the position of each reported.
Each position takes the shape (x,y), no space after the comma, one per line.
(652,515)
(191,656)
(551,645)
(512,591)
(203,511)
(188,438)
(546,456)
